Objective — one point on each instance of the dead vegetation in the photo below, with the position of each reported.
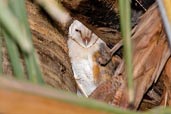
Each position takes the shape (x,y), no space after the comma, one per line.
(150,52)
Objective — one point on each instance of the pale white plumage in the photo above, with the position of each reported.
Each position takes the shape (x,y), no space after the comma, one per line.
(82,44)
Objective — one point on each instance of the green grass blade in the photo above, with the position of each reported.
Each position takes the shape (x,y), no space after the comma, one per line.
(124,7)
(18,8)
(14,57)
(37,67)
(33,70)
(62,97)
(13,27)
(69,99)
(1,37)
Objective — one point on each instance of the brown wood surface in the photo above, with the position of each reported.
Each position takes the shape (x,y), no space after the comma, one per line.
(52,49)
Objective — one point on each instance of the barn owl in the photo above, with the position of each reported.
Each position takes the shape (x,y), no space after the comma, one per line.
(83,46)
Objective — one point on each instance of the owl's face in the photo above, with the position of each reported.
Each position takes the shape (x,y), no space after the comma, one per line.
(81,34)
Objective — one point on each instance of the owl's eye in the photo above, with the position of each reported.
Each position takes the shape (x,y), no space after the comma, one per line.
(78,30)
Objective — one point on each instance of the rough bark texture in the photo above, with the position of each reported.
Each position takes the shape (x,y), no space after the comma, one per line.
(51,48)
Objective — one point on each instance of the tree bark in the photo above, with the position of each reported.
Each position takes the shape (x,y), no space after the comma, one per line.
(52,49)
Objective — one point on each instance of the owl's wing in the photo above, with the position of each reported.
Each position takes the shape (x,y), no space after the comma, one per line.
(83,76)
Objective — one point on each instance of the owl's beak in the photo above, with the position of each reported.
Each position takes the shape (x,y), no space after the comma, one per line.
(86,41)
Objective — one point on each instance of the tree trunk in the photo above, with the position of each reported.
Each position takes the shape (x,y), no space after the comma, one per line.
(51,48)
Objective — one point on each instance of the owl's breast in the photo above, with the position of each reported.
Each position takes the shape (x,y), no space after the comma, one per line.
(82,65)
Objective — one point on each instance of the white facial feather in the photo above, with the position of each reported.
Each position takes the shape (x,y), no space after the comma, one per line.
(81,56)
(85,32)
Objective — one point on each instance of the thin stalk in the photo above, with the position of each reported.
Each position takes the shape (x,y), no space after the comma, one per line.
(1,37)
(14,57)
(12,25)
(124,7)
(167,6)
(32,67)
(165,10)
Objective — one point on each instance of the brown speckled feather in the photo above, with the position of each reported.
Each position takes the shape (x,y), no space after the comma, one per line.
(112,92)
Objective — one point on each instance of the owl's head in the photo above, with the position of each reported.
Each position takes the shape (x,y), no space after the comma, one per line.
(81,34)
